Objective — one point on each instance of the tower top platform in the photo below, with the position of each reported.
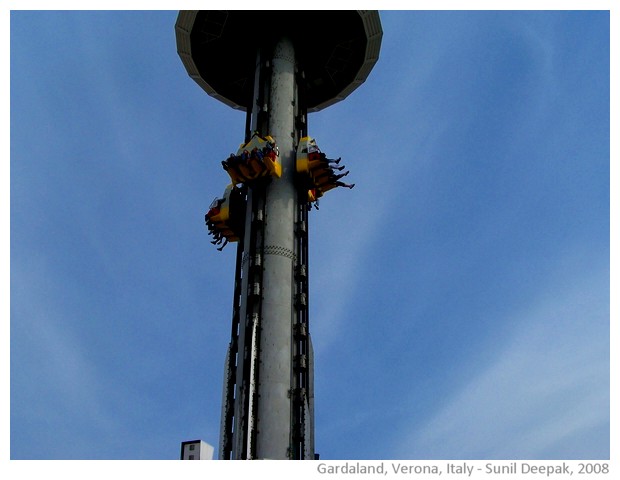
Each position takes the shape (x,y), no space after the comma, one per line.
(335,50)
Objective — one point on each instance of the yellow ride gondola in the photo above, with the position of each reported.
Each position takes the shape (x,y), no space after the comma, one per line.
(226,216)
(255,159)
(316,170)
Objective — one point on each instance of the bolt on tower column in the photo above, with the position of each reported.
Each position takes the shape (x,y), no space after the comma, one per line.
(277,66)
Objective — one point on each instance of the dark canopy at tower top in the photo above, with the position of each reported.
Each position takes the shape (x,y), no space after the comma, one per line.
(336,50)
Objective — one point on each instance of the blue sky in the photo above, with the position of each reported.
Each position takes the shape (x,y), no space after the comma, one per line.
(460,293)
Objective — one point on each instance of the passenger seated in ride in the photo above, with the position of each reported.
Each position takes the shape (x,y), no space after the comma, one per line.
(214,226)
(342,184)
(214,209)
(225,218)
(219,241)
(314,204)
(319,165)
(320,168)
(321,171)
(218,236)
(270,150)
(239,166)
(321,157)
(232,162)
(329,177)
(255,162)
(249,165)
(332,180)
(257,153)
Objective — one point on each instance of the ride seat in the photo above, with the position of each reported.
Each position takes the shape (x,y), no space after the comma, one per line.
(228,213)
(255,159)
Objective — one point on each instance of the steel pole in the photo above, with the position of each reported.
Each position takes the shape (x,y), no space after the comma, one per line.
(275,364)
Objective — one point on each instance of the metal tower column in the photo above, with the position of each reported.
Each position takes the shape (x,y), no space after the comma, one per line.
(275,375)
(276,67)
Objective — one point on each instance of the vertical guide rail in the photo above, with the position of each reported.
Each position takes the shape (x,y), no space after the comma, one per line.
(228,400)
(302,441)
(257,120)
(302,445)
(254,261)
(255,219)
(238,435)
(238,429)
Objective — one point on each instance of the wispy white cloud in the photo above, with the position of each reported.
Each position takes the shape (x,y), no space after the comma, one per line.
(46,347)
(347,232)
(547,387)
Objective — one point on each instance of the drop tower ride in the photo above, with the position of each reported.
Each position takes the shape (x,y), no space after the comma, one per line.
(277,66)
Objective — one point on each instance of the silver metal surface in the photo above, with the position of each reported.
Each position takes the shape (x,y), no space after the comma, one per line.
(274,406)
